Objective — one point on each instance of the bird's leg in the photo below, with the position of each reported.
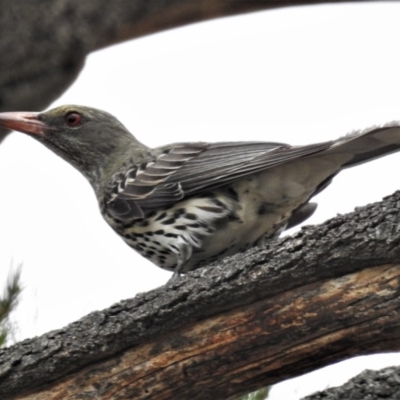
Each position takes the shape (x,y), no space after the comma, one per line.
(177,272)
(175,276)
(184,254)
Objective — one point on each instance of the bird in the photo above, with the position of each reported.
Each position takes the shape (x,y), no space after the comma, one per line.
(184,205)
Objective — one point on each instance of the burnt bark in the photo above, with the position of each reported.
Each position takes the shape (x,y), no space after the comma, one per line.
(43,43)
(371,385)
(328,293)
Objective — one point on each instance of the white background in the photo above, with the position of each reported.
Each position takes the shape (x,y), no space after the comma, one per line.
(296,75)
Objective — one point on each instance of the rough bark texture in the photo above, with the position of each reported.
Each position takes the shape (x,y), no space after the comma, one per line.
(43,43)
(369,385)
(328,293)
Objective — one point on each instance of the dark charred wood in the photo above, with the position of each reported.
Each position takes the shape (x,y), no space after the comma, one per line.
(328,293)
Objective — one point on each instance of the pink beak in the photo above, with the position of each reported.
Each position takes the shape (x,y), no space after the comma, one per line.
(26,122)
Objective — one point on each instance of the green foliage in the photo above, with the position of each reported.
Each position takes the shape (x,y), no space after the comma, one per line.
(260,394)
(8,303)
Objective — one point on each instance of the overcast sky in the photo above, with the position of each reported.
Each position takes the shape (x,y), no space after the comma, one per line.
(298,75)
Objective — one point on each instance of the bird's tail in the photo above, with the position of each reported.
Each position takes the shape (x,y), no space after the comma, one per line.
(368,144)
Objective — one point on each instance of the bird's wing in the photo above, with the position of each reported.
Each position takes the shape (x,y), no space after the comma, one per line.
(184,170)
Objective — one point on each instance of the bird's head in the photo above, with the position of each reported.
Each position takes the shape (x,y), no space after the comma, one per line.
(93,141)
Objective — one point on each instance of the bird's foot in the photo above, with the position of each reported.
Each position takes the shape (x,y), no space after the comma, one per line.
(175,276)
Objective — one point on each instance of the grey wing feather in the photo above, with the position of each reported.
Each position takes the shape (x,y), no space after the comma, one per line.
(187,169)
(223,163)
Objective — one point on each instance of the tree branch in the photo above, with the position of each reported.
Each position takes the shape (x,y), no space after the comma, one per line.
(328,293)
(44,43)
(371,385)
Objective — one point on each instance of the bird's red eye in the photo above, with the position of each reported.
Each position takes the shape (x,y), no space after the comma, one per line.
(73,119)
